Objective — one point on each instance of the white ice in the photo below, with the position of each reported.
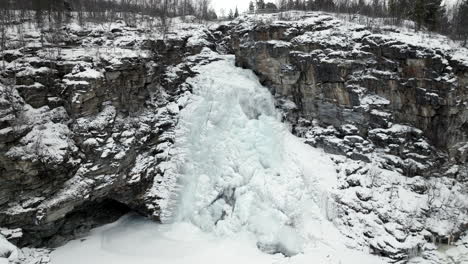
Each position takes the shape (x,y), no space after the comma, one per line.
(247,183)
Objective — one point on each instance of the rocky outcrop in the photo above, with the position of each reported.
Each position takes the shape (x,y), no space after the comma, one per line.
(85,129)
(387,102)
(406,97)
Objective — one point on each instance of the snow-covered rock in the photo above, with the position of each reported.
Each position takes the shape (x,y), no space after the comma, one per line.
(91,131)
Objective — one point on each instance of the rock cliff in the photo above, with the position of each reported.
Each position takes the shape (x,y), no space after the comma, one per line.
(382,98)
(381,82)
(86,129)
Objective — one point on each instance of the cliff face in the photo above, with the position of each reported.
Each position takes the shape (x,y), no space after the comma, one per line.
(392,105)
(404,96)
(86,130)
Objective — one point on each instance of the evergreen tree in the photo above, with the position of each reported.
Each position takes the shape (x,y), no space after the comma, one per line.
(326,5)
(377,9)
(309,5)
(298,5)
(461,19)
(393,11)
(428,13)
(271,6)
(435,14)
(403,9)
(251,7)
(260,4)
(419,11)
(236,13)
(4,19)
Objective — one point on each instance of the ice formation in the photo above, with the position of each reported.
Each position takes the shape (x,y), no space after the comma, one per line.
(246,184)
(241,168)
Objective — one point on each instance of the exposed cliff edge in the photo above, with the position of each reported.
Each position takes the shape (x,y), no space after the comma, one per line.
(377,80)
(86,131)
(383,97)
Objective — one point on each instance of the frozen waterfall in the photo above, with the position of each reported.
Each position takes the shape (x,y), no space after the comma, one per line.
(246,184)
(241,169)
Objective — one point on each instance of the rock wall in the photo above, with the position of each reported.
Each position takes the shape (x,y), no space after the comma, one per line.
(85,128)
(391,107)
(406,97)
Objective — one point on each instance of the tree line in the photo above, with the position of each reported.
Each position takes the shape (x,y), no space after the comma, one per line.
(51,15)
(430,15)
(101,9)
(426,14)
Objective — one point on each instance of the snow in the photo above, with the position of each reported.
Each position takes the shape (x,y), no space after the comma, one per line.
(32,71)
(75,83)
(461,55)
(374,100)
(198,39)
(151,243)
(100,121)
(279,43)
(48,142)
(7,251)
(134,239)
(246,183)
(335,29)
(326,37)
(88,73)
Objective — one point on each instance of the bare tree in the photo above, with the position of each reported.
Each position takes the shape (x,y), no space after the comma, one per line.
(4,20)
(16,106)
(40,151)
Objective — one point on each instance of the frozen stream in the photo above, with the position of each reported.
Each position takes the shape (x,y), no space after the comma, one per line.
(247,184)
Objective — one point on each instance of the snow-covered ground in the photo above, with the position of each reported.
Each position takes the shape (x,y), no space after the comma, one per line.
(246,184)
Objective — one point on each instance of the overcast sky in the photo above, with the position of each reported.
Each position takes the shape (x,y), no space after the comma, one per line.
(243,5)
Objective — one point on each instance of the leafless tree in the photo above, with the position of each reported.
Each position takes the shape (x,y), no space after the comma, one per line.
(40,151)
(4,20)
(373,175)
(10,94)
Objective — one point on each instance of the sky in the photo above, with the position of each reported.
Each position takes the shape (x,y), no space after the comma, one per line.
(243,5)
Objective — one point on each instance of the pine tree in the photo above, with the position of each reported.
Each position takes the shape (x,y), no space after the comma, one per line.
(236,13)
(309,4)
(428,13)
(419,11)
(326,5)
(393,10)
(270,6)
(251,7)
(298,5)
(260,4)
(435,14)
(377,8)
(403,9)
(461,19)
(4,19)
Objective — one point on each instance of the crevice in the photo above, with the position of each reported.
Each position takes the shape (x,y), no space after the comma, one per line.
(74,225)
